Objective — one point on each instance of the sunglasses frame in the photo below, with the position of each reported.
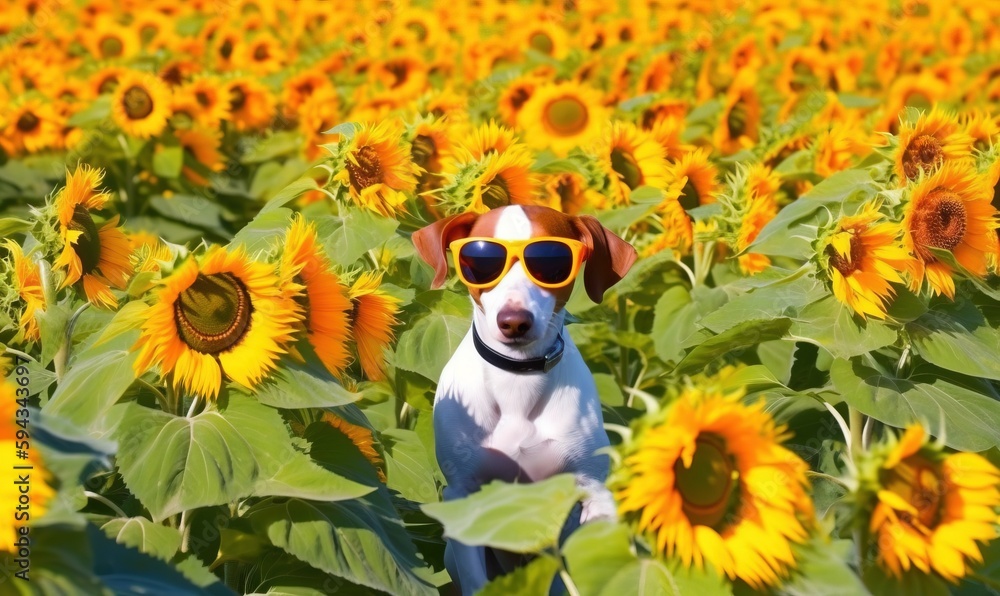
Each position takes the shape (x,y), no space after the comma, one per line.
(515,248)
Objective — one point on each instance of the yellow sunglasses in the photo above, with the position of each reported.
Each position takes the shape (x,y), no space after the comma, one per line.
(550,261)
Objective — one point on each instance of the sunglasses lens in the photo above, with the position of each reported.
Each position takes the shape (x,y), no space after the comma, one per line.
(482,262)
(549,261)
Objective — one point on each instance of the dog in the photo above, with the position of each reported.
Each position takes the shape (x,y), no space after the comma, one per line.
(516,401)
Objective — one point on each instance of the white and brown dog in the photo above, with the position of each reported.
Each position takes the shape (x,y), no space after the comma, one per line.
(516,401)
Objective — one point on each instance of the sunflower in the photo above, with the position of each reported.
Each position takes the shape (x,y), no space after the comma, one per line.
(110,41)
(658,73)
(201,152)
(301,86)
(98,258)
(983,127)
(212,99)
(251,104)
(372,318)
(631,158)
(105,80)
(32,125)
(377,168)
(225,314)
(667,131)
(740,119)
(363,438)
(712,483)
(676,232)
(950,209)
(910,90)
(399,78)
(662,109)
(515,95)
(562,116)
(702,178)
(931,509)
(41,493)
(863,256)
(28,282)
(566,191)
(505,180)
(309,280)
(934,139)
(262,55)
(762,210)
(489,138)
(141,105)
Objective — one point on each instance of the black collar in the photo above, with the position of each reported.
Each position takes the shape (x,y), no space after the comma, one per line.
(543,364)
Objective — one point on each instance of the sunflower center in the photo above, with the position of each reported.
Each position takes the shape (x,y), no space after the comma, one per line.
(518,97)
(108,85)
(399,73)
(261,53)
(203,99)
(624,164)
(138,103)
(496,194)
(706,486)
(238,98)
(226,49)
(27,122)
(111,47)
(842,263)
(939,223)
(214,313)
(923,153)
(689,198)
(367,171)
(542,43)
(566,116)
(737,120)
(918,483)
(88,245)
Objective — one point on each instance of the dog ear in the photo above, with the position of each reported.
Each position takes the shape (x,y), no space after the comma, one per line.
(432,242)
(610,256)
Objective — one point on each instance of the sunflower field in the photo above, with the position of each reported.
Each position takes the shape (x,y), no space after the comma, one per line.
(220,349)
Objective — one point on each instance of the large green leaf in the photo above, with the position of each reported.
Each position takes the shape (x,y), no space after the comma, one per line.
(957,337)
(533,578)
(217,457)
(834,327)
(410,468)
(91,386)
(354,233)
(972,420)
(776,300)
(785,235)
(822,569)
(140,533)
(675,316)
(354,539)
(265,232)
(192,210)
(168,159)
(734,339)
(289,193)
(296,385)
(521,518)
(429,344)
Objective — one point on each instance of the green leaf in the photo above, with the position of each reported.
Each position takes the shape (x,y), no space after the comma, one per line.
(738,337)
(217,457)
(786,235)
(168,160)
(609,390)
(348,237)
(296,385)
(140,533)
(194,211)
(429,344)
(272,146)
(822,569)
(972,420)
(265,232)
(622,218)
(674,319)
(91,386)
(52,329)
(533,578)
(957,337)
(12,225)
(354,540)
(777,300)
(521,518)
(289,193)
(346,130)
(833,326)
(410,469)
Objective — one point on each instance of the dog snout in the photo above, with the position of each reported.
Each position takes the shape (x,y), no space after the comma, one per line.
(514,323)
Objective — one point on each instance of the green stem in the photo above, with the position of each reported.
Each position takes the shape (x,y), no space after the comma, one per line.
(856,422)
(185,531)
(130,196)
(107,502)
(622,350)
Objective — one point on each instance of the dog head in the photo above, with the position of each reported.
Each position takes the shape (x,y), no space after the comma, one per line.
(516,315)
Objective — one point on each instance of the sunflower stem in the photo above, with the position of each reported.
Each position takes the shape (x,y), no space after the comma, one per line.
(185,528)
(171,399)
(160,398)
(373,258)
(856,423)
(570,585)
(622,350)
(195,403)
(19,354)
(688,271)
(129,189)
(105,501)
(832,479)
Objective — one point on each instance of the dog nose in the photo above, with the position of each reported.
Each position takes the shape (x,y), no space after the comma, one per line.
(514,323)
